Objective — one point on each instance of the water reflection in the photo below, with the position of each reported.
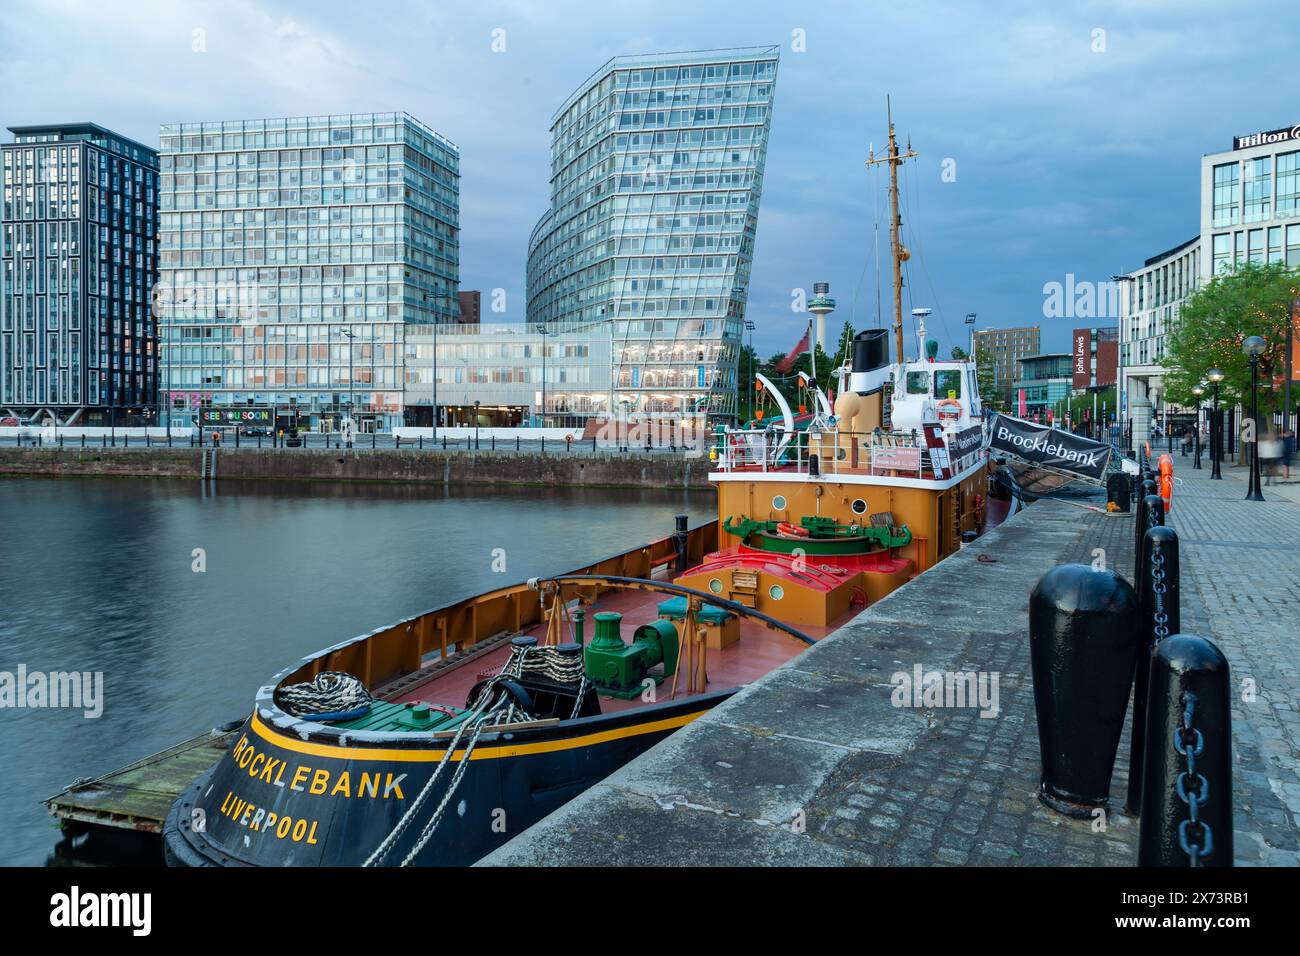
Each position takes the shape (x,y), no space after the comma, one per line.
(99,575)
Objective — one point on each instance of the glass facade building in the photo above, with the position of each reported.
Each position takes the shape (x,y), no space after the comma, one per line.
(656,176)
(78,261)
(294,255)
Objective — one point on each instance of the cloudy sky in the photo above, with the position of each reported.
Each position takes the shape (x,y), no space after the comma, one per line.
(1074,128)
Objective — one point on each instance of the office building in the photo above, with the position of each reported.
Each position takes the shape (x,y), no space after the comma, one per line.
(656,177)
(1006,347)
(296,254)
(78,262)
(1044,380)
(1250,211)
(504,375)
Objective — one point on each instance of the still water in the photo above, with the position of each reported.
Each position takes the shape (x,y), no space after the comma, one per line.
(99,576)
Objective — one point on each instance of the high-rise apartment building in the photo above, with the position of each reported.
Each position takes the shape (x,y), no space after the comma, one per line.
(78,262)
(295,254)
(656,176)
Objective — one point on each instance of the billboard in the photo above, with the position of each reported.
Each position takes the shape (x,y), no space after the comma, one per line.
(234,416)
(1081,363)
(1050,447)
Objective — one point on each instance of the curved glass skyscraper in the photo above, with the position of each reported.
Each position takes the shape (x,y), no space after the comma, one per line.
(656,175)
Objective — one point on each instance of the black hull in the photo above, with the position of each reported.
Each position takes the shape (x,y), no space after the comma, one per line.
(277,799)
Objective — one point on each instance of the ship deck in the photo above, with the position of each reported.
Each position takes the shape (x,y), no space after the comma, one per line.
(758,651)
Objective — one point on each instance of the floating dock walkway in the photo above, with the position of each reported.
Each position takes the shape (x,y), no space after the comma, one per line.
(138,796)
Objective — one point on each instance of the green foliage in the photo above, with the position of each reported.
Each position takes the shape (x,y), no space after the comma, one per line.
(990,397)
(1217,318)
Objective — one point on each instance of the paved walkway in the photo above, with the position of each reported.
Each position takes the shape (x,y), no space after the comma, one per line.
(814,764)
(1242,560)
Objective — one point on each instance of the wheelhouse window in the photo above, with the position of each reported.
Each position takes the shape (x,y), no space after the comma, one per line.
(947,383)
(918,383)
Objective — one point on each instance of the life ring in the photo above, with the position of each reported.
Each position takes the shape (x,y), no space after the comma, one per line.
(787,528)
(948,409)
(1166,481)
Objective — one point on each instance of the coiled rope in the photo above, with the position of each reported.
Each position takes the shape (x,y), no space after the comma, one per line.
(332,692)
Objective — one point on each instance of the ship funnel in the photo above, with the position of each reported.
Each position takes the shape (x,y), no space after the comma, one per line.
(870,361)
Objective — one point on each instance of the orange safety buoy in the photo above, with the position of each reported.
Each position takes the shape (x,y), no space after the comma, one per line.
(1166,481)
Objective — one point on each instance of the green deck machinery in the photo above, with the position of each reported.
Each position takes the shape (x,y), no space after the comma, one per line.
(620,669)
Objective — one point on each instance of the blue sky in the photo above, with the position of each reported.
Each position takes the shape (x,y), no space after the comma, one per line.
(1071,155)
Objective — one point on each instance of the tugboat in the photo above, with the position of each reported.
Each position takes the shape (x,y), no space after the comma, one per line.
(434,740)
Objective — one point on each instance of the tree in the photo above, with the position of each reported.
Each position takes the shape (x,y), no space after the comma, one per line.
(990,397)
(959,354)
(1217,318)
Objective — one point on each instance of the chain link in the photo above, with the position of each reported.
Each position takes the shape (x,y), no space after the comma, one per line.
(1158,589)
(1189,744)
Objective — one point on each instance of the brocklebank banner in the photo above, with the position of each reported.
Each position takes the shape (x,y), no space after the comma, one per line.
(1050,447)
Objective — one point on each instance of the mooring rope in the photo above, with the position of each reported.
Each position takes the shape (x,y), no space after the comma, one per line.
(332,692)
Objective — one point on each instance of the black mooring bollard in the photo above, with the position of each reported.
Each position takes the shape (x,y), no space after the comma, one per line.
(1145,494)
(1187,789)
(1159,596)
(1083,642)
(680,537)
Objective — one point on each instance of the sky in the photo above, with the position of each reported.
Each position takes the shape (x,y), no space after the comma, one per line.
(1053,139)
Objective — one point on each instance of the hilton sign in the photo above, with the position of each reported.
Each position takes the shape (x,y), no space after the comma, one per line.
(1266,139)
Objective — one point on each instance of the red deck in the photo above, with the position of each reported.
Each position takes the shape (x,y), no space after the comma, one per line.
(758,651)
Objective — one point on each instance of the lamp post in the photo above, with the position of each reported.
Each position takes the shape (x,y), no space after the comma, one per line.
(425,297)
(749,376)
(541,330)
(476,423)
(350,336)
(1254,347)
(1199,392)
(1216,450)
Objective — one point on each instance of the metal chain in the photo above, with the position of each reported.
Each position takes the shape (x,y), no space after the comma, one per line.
(1158,589)
(1189,744)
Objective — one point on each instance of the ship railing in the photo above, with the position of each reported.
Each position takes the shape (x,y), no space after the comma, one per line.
(898,454)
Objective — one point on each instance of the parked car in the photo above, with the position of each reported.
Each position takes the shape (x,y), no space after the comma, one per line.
(255,431)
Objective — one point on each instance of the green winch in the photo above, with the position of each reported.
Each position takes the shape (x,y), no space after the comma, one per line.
(619,669)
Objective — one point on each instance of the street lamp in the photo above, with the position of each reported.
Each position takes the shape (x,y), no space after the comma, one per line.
(1254,347)
(1216,450)
(541,330)
(1198,391)
(425,297)
(476,423)
(749,376)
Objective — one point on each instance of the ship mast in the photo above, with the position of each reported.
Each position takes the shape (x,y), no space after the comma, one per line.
(897,253)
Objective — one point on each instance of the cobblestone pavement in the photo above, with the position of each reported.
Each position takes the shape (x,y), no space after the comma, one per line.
(967,792)
(1241,574)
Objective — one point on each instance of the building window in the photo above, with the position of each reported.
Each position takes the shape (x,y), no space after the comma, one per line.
(1288,184)
(1258,189)
(1222,253)
(1227,184)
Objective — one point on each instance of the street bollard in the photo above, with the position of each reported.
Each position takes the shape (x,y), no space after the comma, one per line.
(1159,597)
(1083,642)
(1143,522)
(1187,788)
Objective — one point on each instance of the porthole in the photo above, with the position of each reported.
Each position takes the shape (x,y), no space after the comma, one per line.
(859,506)
(776,592)
(779,503)
(715,585)
(842,454)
